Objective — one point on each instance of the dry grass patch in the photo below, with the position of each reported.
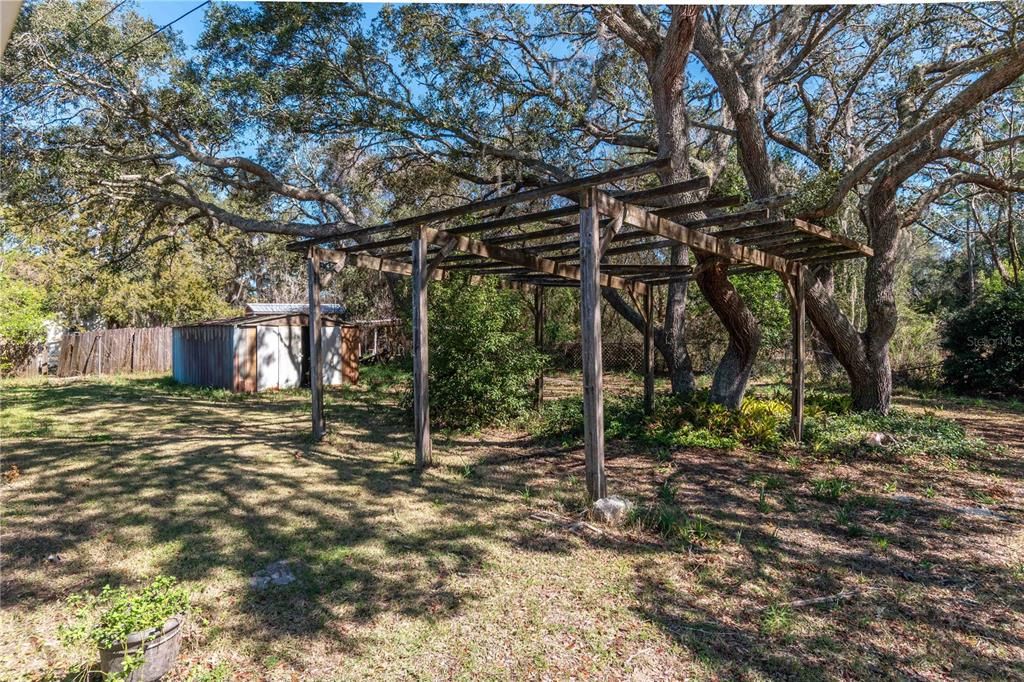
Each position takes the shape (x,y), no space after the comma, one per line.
(784,566)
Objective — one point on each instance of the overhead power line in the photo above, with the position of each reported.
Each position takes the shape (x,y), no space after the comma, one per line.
(108,60)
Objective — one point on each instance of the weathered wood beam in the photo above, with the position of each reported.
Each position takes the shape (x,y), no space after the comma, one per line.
(700,241)
(681,187)
(341,259)
(498,202)
(759,229)
(547,216)
(475,265)
(795,288)
(831,258)
(538,340)
(438,258)
(420,355)
(810,228)
(649,351)
(696,206)
(535,279)
(590,331)
(644,268)
(660,280)
(784,239)
(316,375)
(609,230)
(525,260)
(800,252)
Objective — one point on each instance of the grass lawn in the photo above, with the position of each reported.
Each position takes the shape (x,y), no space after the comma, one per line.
(792,565)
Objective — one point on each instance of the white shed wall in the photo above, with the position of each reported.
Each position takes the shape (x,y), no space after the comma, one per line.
(279,356)
(331,345)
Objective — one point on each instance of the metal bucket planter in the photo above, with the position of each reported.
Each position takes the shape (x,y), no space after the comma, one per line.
(159,648)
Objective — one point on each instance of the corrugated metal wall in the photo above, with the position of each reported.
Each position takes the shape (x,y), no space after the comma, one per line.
(204,355)
(260,358)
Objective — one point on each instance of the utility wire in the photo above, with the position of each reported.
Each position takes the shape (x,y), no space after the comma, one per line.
(158,30)
(107,61)
(81,33)
(72,39)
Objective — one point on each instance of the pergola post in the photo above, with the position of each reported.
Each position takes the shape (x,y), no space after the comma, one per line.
(590,330)
(538,340)
(649,350)
(797,317)
(316,374)
(420,352)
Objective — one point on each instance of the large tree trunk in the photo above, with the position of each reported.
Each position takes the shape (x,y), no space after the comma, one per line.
(874,392)
(733,372)
(865,362)
(865,356)
(667,77)
(825,361)
(679,364)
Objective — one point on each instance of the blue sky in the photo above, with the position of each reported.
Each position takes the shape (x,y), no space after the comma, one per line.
(190,28)
(163,11)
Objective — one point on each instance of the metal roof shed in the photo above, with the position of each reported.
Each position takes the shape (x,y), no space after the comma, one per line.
(256,352)
(293,309)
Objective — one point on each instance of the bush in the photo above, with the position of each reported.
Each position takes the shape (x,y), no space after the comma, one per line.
(22,317)
(841,434)
(831,427)
(108,618)
(985,343)
(675,422)
(482,358)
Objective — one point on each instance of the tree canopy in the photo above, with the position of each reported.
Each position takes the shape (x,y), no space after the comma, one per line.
(895,124)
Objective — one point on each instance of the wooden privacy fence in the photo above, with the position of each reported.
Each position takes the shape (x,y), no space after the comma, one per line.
(116,351)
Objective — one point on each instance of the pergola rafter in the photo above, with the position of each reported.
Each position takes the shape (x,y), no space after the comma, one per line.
(524,251)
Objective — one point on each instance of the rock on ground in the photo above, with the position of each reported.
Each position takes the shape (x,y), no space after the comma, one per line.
(278,573)
(612,510)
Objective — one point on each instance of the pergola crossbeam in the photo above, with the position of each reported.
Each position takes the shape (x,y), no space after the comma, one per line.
(750,238)
(524,260)
(699,241)
(544,192)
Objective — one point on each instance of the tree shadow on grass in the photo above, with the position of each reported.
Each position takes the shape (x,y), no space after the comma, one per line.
(212,490)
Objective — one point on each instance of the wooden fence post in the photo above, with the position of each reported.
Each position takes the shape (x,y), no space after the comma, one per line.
(590,330)
(649,350)
(420,352)
(538,340)
(316,385)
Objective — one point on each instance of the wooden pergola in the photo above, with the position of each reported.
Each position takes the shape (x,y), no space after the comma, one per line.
(582,244)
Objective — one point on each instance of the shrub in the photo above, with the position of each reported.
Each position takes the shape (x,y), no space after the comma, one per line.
(674,422)
(22,317)
(985,343)
(482,358)
(841,434)
(831,426)
(106,619)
